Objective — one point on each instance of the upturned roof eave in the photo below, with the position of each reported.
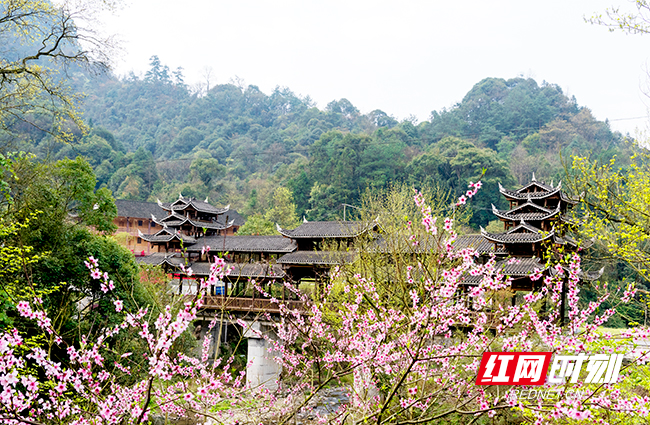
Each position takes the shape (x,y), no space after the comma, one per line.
(499,237)
(529,195)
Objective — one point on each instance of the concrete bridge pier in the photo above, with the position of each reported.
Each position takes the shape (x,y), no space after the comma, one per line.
(262,369)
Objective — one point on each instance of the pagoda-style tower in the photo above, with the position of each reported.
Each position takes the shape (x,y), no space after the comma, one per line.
(536,217)
(535,221)
(187,220)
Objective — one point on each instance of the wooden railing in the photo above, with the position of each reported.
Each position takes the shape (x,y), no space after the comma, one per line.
(246,304)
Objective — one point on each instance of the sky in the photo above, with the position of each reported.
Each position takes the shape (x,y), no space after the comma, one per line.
(404,57)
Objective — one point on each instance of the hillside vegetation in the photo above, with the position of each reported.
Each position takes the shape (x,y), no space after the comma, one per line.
(154,137)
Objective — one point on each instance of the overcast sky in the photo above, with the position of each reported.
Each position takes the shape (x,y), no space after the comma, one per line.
(403,57)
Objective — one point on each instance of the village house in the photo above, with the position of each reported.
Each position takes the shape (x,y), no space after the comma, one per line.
(135,217)
(192,232)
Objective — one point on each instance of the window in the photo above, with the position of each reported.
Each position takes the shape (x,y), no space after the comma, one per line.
(139,240)
(139,222)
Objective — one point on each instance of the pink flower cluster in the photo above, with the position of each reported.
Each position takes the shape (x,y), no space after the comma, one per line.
(472,190)
(406,348)
(34,389)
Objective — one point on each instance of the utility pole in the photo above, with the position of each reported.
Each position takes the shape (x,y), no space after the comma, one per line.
(348,205)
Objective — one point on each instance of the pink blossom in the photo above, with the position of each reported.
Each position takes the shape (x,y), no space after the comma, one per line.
(118,305)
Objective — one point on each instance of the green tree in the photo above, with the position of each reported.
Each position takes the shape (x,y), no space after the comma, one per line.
(453,163)
(283,210)
(187,139)
(257,224)
(56,211)
(207,170)
(157,71)
(37,40)
(636,22)
(615,207)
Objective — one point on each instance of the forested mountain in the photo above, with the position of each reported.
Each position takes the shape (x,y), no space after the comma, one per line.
(154,137)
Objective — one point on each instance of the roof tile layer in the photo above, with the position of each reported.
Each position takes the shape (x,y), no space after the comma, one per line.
(245,244)
(327,229)
(137,209)
(317,257)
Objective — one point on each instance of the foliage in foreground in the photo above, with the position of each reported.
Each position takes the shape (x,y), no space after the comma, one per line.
(409,365)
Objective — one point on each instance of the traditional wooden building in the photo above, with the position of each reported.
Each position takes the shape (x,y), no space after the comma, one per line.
(535,226)
(187,220)
(321,246)
(244,249)
(137,218)
(134,217)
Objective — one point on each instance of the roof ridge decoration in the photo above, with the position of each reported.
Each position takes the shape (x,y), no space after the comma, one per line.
(529,195)
(533,179)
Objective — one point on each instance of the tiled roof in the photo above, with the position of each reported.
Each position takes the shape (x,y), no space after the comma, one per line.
(160,258)
(513,267)
(566,240)
(154,259)
(317,257)
(534,183)
(524,227)
(529,195)
(520,266)
(591,275)
(478,242)
(165,235)
(530,206)
(137,209)
(583,275)
(431,244)
(526,216)
(276,243)
(566,199)
(232,215)
(183,203)
(247,270)
(176,220)
(327,229)
(515,235)
(469,279)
